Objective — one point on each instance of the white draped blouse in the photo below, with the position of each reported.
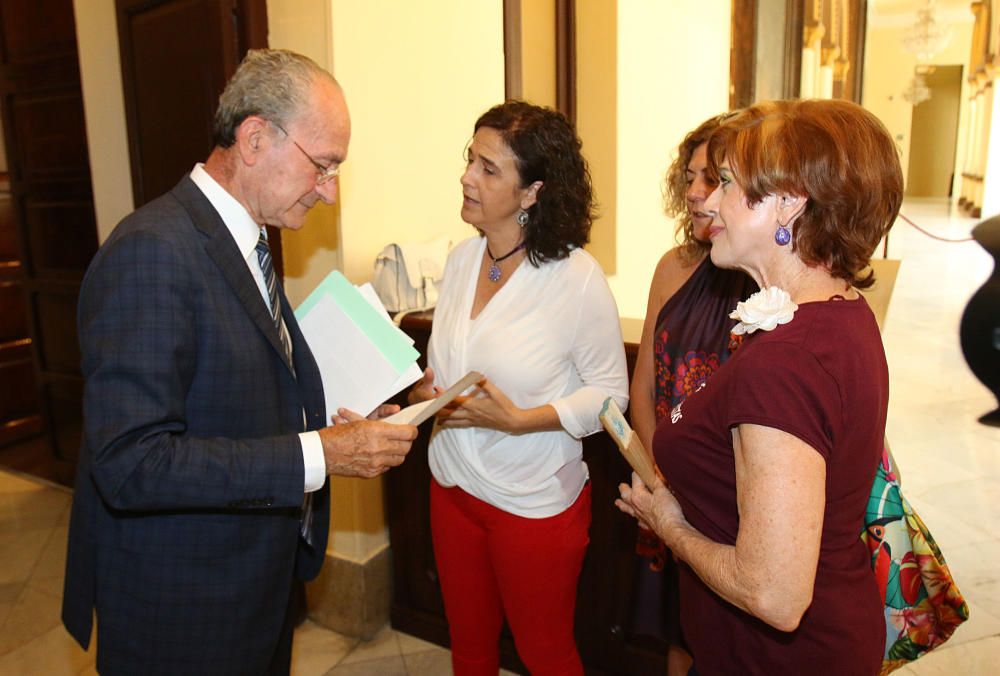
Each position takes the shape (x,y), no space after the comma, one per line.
(551,335)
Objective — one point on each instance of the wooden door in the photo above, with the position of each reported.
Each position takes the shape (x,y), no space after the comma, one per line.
(20,413)
(51,210)
(177,56)
(48,231)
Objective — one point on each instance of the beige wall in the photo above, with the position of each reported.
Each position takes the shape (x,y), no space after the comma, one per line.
(769,69)
(597,118)
(415,83)
(538,52)
(311,252)
(889,68)
(357,521)
(104,109)
(934,134)
(673,73)
(416,80)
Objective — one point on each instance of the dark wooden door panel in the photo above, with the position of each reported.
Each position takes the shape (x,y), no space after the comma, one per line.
(62,236)
(20,414)
(47,226)
(55,317)
(15,327)
(37,30)
(51,136)
(62,397)
(19,405)
(18,399)
(178,57)
(9,253)
(172,85)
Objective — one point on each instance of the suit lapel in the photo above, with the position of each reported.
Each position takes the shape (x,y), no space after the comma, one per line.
(221,248)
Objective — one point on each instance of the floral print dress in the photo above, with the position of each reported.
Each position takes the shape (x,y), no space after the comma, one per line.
(691,340)
(692,336)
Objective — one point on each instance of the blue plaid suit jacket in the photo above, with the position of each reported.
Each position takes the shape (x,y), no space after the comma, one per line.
(184,533)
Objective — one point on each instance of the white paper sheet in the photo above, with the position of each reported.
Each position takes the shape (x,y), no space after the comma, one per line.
(355,374)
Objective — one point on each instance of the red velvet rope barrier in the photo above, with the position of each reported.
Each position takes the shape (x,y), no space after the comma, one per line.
(940,239)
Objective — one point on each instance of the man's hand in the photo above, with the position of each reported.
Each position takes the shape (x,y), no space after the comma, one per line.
(365,448)
(344,415)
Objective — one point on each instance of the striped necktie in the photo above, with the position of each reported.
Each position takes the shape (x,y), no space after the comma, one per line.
(267,267)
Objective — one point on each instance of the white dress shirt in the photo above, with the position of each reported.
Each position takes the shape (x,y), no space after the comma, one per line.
(246,233)
(551,335)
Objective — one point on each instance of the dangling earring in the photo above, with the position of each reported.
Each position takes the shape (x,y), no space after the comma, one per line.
(522,218)
(782,235)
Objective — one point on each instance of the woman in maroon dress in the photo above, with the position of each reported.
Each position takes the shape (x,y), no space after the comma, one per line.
(685,338)
(769,464)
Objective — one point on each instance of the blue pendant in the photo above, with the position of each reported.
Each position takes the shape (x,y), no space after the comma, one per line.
(494,273)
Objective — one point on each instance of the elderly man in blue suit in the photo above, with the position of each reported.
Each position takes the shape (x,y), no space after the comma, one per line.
(201,492)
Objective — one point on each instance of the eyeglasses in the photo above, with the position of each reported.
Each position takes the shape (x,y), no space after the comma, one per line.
(323,173)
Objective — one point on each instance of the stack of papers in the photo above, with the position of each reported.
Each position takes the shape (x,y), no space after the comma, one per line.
(363,357)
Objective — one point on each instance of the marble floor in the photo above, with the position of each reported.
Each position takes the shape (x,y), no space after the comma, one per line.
(34,517)
(949,463)
(950,466)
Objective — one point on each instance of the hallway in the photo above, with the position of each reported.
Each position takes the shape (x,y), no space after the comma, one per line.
(950,464)
(950,468)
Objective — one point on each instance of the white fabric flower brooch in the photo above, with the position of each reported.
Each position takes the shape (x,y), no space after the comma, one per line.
(763,310)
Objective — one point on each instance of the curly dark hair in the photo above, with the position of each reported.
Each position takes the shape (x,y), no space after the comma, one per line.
(547,149)
(837,155)
(675,186)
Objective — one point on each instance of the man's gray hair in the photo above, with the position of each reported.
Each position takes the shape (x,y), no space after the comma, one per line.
(271,83)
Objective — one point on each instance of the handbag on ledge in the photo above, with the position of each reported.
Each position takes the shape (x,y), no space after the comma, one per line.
(923,605)
(407,276)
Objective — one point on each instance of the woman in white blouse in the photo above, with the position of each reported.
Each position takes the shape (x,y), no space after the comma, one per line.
(525,305)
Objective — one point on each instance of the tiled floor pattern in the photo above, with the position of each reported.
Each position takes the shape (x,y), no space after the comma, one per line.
(950,466)
(34,517)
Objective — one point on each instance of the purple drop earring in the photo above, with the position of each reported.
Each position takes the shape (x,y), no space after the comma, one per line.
(782,235)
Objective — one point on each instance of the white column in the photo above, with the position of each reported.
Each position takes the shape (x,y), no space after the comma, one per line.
(991,155)
(807,79)
(825,82)
(971,134)
(979,150)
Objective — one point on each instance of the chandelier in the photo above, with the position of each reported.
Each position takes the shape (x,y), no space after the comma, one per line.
(918,91)
(927,36)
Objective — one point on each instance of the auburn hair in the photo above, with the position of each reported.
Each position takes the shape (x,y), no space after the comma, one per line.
(834,153)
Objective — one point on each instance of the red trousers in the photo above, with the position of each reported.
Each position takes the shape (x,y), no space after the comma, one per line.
(494,564)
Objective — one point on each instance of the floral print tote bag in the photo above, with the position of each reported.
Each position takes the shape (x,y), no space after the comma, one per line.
(923,606)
